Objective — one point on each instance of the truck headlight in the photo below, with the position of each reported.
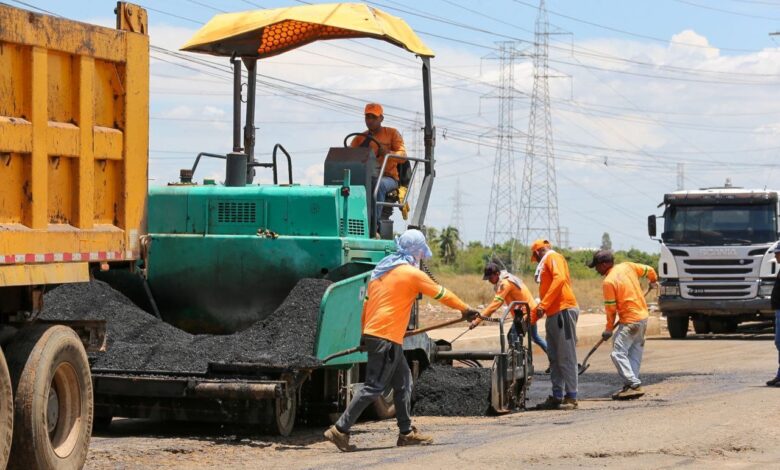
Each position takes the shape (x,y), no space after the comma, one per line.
(671,290)
(765,289)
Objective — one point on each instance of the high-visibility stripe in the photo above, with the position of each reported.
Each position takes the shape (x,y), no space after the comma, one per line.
(644,274)
(498,297)
(440,294)
(610,302)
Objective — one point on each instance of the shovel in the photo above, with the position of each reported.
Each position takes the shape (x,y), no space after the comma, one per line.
(361,348)
(581,368)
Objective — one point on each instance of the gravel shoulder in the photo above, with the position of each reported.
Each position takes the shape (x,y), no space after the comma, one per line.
(706,406)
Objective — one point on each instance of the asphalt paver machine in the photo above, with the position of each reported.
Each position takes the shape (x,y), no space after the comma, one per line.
(219,257)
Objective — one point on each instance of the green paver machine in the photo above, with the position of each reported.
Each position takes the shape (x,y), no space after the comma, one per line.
(217,258)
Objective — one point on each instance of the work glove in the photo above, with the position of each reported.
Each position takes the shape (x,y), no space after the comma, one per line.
(470,314)
(653,285)
(539,312)
(606,335)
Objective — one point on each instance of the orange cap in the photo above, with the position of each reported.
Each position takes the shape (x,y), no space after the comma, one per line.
(540,243)
(375,109)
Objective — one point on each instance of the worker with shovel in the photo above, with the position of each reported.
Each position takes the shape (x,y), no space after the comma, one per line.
(558,304)
(624,298)
(509,288)
(395,284)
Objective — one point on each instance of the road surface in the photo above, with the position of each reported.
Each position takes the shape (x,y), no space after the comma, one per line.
(706,407)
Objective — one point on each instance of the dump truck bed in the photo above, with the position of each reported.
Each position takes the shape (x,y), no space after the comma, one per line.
(73,145)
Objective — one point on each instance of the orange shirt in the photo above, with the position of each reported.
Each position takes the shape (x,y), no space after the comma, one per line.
(623,295)
(555,289)
(389,301)
(392,142)
(506,293)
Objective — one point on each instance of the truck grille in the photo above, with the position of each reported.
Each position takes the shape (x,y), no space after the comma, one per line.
(718,290)
(718,267)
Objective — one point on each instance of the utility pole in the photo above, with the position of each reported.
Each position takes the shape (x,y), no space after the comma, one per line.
(539,193)
(502,215)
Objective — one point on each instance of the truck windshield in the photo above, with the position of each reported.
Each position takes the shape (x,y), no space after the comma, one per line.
(720,224)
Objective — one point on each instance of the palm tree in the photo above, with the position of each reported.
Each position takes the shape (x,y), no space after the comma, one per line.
(449,240)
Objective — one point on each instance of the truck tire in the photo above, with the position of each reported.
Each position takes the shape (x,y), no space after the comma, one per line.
(678,326)
(53,399)
(6,412)
(701,326)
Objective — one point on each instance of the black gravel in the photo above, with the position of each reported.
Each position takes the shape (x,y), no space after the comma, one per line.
(452,391)
(138,341)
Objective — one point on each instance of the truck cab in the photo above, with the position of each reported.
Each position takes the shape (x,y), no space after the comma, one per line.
(715,268)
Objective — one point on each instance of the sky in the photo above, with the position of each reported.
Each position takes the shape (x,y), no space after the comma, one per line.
(637,89)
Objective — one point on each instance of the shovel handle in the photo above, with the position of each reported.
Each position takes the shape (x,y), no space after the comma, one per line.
(432,327)
(345,352)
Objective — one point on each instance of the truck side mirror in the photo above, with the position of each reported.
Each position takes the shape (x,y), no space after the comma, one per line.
(651,226)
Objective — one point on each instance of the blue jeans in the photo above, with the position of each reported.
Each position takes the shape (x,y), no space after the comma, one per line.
(777,339)
(627,349)
(386,184)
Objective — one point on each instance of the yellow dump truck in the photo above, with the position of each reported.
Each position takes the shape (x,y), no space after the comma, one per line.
(73,183)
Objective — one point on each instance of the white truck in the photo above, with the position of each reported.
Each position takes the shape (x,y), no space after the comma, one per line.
(714,267)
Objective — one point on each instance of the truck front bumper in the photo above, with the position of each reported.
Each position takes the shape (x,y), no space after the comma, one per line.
(675,305)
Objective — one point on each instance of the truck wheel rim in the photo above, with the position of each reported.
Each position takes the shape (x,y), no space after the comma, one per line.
(64,410)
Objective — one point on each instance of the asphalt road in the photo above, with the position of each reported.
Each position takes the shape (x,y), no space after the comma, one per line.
(706,407)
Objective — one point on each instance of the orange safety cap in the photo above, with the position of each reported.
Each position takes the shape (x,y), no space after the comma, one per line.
(540,243)
(375,109)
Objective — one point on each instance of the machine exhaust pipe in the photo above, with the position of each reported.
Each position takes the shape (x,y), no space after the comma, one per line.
(235,169)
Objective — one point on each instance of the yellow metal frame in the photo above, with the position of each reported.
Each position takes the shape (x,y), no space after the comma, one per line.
(74,110)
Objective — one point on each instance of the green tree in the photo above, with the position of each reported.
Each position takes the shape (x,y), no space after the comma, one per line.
(449,240)
(606,242)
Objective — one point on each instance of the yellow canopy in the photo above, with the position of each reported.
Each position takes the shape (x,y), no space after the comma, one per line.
(266,33)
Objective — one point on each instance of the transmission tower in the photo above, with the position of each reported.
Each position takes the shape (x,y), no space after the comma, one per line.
(539,193)
(502,213)
(456,218)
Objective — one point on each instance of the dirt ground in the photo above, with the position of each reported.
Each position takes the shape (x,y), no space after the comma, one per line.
(706,407)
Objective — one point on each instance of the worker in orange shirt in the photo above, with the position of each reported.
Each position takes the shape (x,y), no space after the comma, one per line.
(509,288)
(391,143)
(395,284)
(558,304)
(623,297)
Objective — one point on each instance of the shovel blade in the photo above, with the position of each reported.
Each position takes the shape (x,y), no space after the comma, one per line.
(582,368)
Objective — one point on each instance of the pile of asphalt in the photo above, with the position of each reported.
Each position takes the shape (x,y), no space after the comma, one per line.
(138,341)
(452,391)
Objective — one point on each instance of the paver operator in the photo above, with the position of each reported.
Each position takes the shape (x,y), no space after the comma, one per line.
(509,288)
(624,298)
(558,304)
(775,299)
(391,143)
(395,284)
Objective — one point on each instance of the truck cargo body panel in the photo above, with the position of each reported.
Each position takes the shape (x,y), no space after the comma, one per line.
(73,140)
